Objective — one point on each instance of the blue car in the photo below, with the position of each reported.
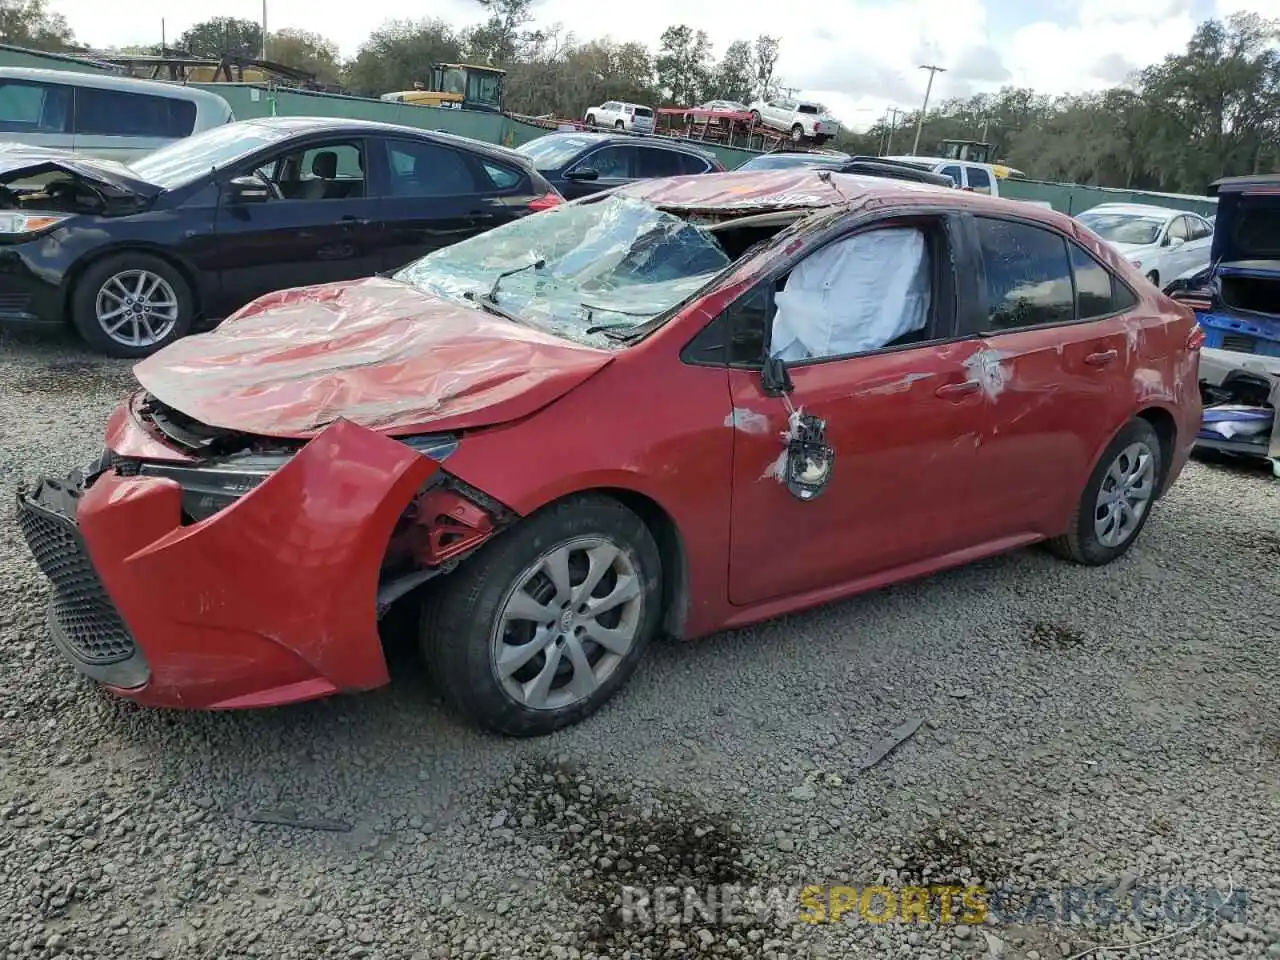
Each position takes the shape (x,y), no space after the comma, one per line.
(1237,302)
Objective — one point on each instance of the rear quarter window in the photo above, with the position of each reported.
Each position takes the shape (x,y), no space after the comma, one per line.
(1098,292)
(502,177)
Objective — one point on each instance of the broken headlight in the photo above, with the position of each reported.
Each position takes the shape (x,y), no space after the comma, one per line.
(213,486)
(210,487)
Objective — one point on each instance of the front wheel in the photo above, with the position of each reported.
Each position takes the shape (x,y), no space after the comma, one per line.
(548,621)
(1117,499)
(131,304)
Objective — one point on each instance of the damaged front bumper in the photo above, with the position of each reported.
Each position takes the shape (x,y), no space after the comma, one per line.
(1226,379)
(272,599)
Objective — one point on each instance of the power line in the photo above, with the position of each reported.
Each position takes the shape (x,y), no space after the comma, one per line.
(915,148)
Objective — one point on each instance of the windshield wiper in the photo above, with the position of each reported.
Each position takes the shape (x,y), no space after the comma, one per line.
(492,295)
(591,308)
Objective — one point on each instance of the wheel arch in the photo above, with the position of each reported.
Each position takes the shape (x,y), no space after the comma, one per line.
(185,269)
(666,534)
(1166,428)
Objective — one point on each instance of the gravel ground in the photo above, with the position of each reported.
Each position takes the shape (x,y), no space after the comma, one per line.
(1114,726)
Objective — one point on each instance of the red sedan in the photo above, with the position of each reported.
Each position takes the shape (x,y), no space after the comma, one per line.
(683,406)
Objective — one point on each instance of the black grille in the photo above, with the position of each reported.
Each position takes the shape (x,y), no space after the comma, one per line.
(14,302)
(89,622)
(1239,342)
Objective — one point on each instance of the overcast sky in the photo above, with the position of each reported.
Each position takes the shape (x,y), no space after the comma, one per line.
(857,56)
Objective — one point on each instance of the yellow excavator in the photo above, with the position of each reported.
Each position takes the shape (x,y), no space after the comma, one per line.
(460,86)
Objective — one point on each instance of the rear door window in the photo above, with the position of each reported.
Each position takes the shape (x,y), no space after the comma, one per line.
(421,169)
(691,164)
(116,113)
(501,176)
(655,162)
(1028,275)
(34,107)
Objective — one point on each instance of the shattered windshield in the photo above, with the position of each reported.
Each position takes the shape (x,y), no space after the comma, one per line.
(601,267)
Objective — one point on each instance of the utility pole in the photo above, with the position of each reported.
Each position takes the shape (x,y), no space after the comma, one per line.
(915,148)
(887,144)
(264,29)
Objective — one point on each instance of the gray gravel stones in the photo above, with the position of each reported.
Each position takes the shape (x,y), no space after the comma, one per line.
(1114,727)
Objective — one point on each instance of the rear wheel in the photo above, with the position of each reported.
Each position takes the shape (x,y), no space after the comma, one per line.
(591,119)
(755,117)
(131,305)
(797,133)
(1117,499)
(619,125)
(1154,277)
(549,620)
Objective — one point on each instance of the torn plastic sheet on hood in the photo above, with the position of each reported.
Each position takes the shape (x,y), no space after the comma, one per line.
(377,352)
(618,262)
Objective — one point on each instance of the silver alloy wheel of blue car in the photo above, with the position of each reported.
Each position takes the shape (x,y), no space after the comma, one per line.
(1125,495)
(566,623)
(137,308)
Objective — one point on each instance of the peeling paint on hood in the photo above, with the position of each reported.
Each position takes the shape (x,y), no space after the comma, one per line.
(377,352)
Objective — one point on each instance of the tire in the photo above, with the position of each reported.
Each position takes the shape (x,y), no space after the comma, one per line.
(1154,277)
(591,119)
(104,283)
(797,133)
(755,118)
(620,126)
(463,627)
(1083,543)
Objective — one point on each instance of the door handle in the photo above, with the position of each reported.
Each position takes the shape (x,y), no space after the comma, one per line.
(949,391)
(356,221)
(1101,358)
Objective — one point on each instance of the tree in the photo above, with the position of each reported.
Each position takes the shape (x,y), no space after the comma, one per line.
(224,36)
(766,59)
(499,38)
(30,23)
(399,53)
(307,51)
(734,77)
(682,64)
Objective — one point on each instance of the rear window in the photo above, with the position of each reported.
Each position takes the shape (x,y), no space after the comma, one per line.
(807,108)
(34,107)
(115,113)
(643,112)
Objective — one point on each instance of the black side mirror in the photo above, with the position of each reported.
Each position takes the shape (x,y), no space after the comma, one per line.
(247,190)
(774,378)
(583,173)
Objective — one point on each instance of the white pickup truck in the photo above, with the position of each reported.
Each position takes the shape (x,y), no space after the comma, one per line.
(968,175)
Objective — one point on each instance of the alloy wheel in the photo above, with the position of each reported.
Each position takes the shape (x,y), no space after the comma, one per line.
(1126,492)
(137,308)
(566,624)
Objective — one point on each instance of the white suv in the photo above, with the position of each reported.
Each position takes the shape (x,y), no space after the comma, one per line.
(621,116)
(799,118)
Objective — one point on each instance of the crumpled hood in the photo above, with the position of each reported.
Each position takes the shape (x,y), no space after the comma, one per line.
(116,179)
(377,352)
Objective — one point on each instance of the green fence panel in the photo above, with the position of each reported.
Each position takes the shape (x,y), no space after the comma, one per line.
(11,56)
(1075,198)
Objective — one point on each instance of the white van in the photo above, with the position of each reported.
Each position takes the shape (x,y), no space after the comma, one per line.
(117,118)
